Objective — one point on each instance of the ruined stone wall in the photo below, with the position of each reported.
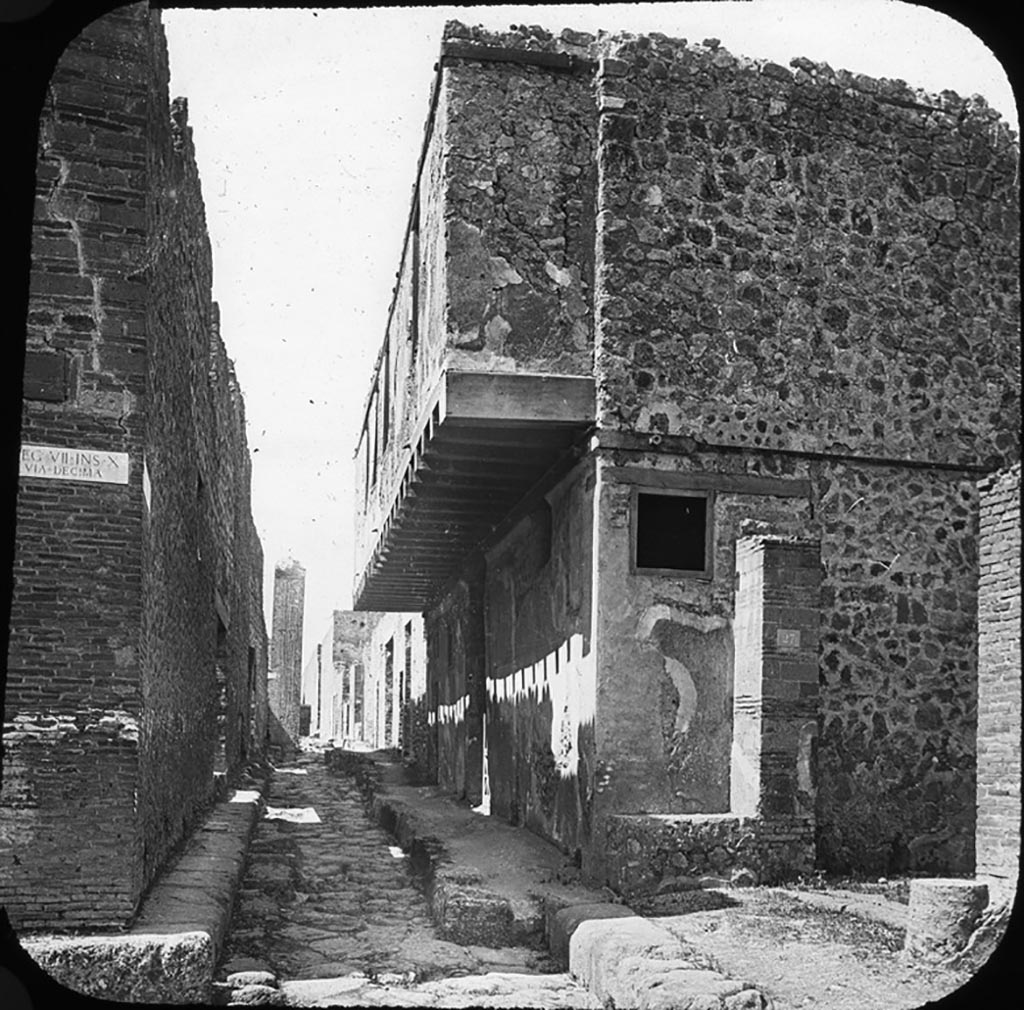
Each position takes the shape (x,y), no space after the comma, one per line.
(895,746)
(497,271)
(378,632)
(313,670)
(387,634)
(665,658)
(285,687)
(822,263)
(541,666)
(804,260)
(999,689)
(896,750)
(181,693)
(238,557)
(361,639)
(519,203)
(645,852)
(455,684)
(206,649)
(112,695)
(348,635)
(259,643)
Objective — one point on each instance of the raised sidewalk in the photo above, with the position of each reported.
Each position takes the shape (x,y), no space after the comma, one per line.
(170,952)
(487,881)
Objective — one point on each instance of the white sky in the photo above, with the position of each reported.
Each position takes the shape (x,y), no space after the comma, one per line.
(308,125)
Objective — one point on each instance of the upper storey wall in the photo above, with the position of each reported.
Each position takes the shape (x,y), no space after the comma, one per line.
(496,273)
(518,196)
(804,260)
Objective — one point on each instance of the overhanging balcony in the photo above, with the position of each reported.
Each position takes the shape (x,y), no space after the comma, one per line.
(486,439)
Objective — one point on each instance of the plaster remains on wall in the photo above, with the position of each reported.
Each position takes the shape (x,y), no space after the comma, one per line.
(561,675)
(668,631)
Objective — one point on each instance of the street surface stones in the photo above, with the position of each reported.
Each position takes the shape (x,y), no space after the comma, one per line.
(329,913)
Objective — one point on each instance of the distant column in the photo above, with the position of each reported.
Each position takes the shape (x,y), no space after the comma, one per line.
(286,652)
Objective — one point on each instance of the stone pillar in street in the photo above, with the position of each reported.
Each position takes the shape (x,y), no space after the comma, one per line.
(776,686)
(285,679)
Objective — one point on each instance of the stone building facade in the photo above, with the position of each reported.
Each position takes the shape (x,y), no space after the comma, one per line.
(367,679)
(136,671)
(658,302)
(285,676)
(999,685)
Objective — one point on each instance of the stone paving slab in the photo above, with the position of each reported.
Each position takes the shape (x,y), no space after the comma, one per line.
(636,962)
(494,873)
(487,881)
(494,989)
(869,906)
(326,898)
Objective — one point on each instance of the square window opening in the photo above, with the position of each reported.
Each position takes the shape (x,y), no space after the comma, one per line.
(672,533)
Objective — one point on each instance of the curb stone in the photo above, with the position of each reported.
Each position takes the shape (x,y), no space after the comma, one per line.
(634,962)
(623,959)
(132,968)
(169,955)
(463,909)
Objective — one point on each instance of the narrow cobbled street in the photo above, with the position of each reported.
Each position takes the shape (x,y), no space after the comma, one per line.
(327,894)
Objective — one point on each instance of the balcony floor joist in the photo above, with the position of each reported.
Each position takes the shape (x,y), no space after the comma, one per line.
(486,440)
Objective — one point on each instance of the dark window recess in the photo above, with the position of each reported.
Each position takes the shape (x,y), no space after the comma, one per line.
(45,377)
(671,532)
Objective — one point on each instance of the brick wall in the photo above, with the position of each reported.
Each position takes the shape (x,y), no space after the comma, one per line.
(285,687)
(775,707)
(112,704)
(999,687)
(70,849)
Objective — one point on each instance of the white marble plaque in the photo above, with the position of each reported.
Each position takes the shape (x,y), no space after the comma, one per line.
(787,639)
(52,462)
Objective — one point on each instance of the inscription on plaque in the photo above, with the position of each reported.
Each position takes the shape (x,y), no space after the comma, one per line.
(787,638)
(51,462)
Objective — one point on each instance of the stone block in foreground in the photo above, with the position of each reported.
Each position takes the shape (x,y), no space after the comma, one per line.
(134,968)
(634,962)
(942,915)
(564,923)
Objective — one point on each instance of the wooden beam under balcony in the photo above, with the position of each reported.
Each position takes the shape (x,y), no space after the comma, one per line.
(485,441)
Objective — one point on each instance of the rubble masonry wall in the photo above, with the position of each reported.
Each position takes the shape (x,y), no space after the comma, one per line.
(822,263)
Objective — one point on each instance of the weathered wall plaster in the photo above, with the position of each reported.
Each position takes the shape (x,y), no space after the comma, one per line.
(665,681)
(541,666)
